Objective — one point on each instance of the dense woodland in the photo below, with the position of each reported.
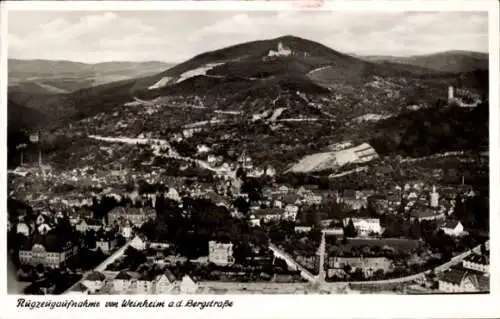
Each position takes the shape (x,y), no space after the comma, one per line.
(433,130)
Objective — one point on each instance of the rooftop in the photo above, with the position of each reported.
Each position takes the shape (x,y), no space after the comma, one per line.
(95,276)
(478,259)
(450,224)
(458,274)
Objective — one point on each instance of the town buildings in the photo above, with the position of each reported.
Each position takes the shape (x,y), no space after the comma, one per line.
(48,250)
(290,212)
(92,224)
(420,213)
(453,228)
(106,244)
(23,228)
(337,266)
(460,280)
(138,242)
(333,231)
(365,226)
(137,216)
(477,262)
(164,282)
(220,254)
(94,281)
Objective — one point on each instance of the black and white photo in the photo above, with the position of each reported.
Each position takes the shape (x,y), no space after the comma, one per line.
(248,152)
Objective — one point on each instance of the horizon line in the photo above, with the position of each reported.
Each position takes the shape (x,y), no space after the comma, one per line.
(177,62)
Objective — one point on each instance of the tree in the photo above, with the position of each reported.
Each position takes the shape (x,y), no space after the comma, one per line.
(64,226)
(240,173)
(40,269)
(350,230)
(90,239)
(280,265)
(315,234)
(242,205)
(415,230)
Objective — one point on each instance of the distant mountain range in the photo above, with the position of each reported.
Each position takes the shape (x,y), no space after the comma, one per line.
(59,76)
(305,90)
(449,61)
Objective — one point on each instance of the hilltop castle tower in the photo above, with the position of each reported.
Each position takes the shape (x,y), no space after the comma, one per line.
(434,198)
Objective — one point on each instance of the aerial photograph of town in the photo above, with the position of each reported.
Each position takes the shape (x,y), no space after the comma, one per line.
(247,152)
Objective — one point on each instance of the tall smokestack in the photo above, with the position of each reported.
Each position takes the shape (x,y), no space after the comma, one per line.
(450,92)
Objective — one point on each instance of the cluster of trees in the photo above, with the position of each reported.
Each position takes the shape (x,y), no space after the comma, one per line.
(185,148)
(58,282)
(330,209)
(191,227)
(474,212)
(433,130)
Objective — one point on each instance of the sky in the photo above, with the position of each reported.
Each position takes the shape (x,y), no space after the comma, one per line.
(98,36)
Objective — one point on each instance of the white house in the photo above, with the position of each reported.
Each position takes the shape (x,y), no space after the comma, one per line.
(254,221)
(94,225)
(203,149)
(145,284)
(82,226)
(334,231)
(211,159)
(290,212)
(94,281)
(138,243)
(122,282)
(453,228)
(477,262)
(365,226)
(173,194)
(42,218)
(283,189)
(164,283)
(43,229)
(302,229)
(23,228)
(220,254)
(188,286)
(270,171)
(313,199)
(277,203)
(126,229)
(106,245)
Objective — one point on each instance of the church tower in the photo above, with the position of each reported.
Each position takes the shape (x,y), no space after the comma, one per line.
(319,260)
(450,93)
(434,197)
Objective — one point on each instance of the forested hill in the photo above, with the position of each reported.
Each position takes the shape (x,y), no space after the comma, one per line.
(433,130)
